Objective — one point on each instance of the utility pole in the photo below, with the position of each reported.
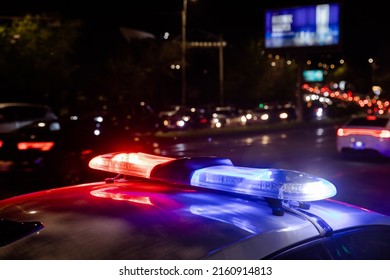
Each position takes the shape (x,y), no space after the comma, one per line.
(220,51)
(183,53)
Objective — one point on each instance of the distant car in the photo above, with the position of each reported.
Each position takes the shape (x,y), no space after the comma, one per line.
(112,120)
(365,134)
(271,114)
(154,207)
(86,133)
(227,116)
(14,116)
(29,135)
(258,116)
(184,118)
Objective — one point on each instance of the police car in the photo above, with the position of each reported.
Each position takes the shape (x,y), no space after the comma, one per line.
(157,207)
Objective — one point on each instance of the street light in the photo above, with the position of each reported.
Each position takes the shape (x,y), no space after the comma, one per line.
(372,64)
(220,44)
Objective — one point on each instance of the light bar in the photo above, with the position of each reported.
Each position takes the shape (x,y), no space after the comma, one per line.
(272,183)
(219,174)
(133,164)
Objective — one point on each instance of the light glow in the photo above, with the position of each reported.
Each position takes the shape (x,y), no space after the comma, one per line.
(220,175)
(42,146)
(274,183)
(370,132)
(133,164)
(120,195)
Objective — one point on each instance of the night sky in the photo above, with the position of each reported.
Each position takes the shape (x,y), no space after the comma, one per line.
(364,30)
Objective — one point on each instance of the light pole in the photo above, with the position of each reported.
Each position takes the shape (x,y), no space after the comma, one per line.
(377,90)
(372,64)
(183,53)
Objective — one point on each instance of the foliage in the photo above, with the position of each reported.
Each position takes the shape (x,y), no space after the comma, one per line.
(36,58)
(70,62)
(252,79)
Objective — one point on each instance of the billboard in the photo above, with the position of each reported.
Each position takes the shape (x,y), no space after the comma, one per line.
(313,75)
(302,27)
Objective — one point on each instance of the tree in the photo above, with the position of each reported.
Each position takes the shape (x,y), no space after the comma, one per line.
(251,78)
(36,58)
(138,71)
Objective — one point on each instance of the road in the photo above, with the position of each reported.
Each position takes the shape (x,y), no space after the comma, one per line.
(312,149)
(360,181)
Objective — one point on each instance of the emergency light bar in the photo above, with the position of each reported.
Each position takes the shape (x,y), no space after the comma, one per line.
(218,174)
(133,164)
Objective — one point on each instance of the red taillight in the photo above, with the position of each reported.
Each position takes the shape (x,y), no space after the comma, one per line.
(42,146)
(384,133)
(86,152)
(1,143)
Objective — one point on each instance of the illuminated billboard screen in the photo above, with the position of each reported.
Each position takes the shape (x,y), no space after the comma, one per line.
(313,75)
(306,26)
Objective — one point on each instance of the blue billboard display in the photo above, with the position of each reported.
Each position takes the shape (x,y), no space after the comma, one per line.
(306,26)
(313,75)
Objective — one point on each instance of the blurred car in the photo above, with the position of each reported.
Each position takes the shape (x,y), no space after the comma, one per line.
(183,118)
(29,135)
(33,138)
(271,114)
(258,116)
(365,134)
(14,116)
(112,120)
(156,207)
(227,116)
(86,133)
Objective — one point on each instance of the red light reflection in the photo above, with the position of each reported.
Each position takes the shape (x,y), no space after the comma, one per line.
(123,196)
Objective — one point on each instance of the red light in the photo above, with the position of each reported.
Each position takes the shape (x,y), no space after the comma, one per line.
(1,143)
(371,118)
(371,132)
(86,152)
(134,164)
(118,195)
(42,146)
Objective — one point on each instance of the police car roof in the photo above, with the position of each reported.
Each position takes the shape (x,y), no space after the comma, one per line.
(147,219)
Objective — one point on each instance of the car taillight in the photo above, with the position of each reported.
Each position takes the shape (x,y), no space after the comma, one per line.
(203,120)
(42,146)
(384,133)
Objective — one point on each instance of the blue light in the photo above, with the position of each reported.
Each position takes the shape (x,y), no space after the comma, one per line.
(219,174)
(273,183)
